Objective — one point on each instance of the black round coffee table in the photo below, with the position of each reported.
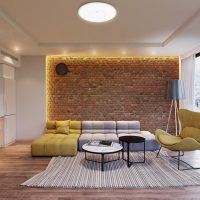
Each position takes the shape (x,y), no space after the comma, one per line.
(131,140)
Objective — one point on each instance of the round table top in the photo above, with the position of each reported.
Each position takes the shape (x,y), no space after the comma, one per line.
(132,139)
(116,147)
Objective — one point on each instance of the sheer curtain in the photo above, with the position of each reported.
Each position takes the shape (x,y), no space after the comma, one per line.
(188,75)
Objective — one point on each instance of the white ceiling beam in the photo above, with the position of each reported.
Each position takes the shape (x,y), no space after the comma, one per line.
(17,26)
(181,28)
(110,44)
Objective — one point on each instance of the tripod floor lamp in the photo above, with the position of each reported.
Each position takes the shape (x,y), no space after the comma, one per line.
(175,91)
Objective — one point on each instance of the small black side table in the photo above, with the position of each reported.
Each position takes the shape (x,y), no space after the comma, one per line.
(129,140)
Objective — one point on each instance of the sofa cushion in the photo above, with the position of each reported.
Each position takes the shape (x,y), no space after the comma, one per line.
(62,127)
(95,127)
(74,127)
(87,137)
(50,131)
(50,125)
(128,127)
(169,140)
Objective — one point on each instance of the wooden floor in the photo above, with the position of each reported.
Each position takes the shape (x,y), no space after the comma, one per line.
(16,166)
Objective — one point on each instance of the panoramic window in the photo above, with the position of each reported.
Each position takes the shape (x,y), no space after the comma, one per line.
(197,83)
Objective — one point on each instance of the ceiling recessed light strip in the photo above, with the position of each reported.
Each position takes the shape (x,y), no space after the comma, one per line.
(97,12)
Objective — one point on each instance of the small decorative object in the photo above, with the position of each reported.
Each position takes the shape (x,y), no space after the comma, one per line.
(93,143)
(101,143)
(175,91)
(61,69)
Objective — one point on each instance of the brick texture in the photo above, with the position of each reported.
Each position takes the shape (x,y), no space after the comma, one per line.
(112,88)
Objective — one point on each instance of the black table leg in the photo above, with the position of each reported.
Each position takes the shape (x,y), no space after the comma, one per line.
(144,151)
(123,151)
(129,140)
(128,155)
(118,155)
(102,162)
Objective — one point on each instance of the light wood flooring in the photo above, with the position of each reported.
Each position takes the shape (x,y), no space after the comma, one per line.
(16,166)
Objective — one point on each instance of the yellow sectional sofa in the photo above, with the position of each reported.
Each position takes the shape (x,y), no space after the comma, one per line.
(59,139)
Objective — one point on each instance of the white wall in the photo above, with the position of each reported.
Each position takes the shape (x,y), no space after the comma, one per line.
(31,97)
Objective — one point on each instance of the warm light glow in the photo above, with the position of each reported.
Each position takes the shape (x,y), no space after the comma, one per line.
(52,59)
(97,12)
(48,94)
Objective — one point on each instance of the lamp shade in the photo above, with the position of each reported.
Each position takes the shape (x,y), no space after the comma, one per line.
(175,89)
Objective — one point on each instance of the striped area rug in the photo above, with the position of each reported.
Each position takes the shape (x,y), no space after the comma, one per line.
(76,172)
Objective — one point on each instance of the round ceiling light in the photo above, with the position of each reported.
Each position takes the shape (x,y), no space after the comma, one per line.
(97,12)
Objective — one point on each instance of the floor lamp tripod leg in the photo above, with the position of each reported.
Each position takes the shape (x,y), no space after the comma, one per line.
(175,115)
(169,115)
(178,121)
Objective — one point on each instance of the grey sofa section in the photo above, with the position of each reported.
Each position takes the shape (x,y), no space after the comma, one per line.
(97,130)
(112,130)
(133,128)
(150,142)
(128,127)
(93,127)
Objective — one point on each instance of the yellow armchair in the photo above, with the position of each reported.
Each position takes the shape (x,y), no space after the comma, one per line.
(189,138)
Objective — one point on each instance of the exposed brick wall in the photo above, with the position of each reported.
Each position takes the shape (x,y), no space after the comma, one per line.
(111,88)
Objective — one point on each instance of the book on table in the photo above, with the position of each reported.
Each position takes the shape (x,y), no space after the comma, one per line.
(106,143)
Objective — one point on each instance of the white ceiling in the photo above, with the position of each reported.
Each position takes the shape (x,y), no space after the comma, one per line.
(142,27)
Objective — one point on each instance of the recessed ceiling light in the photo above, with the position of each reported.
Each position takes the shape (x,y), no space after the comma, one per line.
(94,52)
(153,52)
(16,49)
(64,52)
(97,12)
(124,52)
